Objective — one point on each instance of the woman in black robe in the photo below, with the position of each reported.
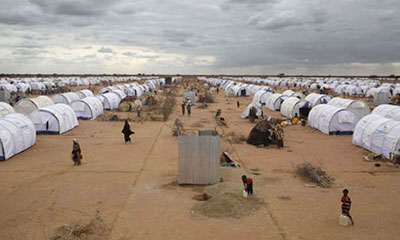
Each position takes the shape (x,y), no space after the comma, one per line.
(127,132)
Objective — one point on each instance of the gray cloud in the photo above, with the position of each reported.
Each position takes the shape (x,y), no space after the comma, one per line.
(242,36)
(80,8)
(135,55)
(105,50)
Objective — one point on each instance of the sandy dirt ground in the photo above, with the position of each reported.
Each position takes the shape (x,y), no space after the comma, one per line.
(134,188)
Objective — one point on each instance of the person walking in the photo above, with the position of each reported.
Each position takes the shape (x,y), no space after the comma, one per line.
(248,184)
(138,110)
(346,205)
(183,108)
(127,132)
(279,136)
(238,104)
(189,108)
(76,152)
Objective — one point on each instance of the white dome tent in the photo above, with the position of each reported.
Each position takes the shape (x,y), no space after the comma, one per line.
(261,97)
(246,112)
(23,87)
(54,119)
(291,107)
(5,109)
(288,93)
(84,93)
(315,99)
(28,105)
(88,108)
(274,101)
(110,100)
(388,111)
(241,91)
(353,90)
(66,98)
(332,120)
(38,86)
(378,134)
(359,107)
(17,133)
(9,87)
(120,94)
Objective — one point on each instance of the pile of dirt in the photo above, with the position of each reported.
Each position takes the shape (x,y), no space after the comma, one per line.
(228,205)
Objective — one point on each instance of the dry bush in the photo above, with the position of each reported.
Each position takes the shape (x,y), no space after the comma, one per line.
(96,228)
(202,197)
(197,124)
(234,138)
(315,174)
(167,107)
(206,97)
(178,128)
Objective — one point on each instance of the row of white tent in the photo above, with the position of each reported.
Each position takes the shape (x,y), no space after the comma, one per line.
(378,132)
(26,84)
(55,115)
(355,87)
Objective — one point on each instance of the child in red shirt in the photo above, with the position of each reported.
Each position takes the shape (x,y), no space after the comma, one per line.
(248,185)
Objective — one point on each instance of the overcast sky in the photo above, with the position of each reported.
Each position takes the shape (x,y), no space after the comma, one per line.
(200,36)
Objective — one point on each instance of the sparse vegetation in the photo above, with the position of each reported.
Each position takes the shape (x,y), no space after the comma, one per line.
(79,231)
(315,174)
(206,97)
(167,107)
(234,138)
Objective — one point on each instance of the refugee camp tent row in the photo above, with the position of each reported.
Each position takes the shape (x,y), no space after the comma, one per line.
(17,133)
(88,108)
(293,106)
(109,100)
(332,120)
(28,105)
(274,101)
(378,134)
(5,109)
(66,98)
(315,99)
(359,107)
(55,119)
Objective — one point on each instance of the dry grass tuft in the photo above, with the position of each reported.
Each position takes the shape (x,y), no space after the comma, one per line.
(315,174)
(234,138)
(228,205)
(206,97)
(167,107)
(95,229)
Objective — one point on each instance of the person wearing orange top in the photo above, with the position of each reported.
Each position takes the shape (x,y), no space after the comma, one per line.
(346,205)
